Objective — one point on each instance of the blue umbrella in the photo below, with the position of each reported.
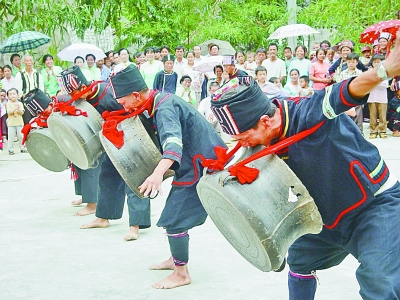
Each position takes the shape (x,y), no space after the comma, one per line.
(22,41)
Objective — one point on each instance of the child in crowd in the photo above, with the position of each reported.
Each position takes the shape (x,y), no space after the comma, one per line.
(330,56)
(313,54)
(293,85)
(205,107)
(352,71)
(250,64)
(366,55)
(277,83)
(15,110)
(185,92)
(377,104)
(268,88)
(305,89)
(287,53)
(225,77)
(166,80)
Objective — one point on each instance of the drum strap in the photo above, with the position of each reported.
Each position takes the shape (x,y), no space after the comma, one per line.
(66,107)
(248,175)
(40,120)
(112,119)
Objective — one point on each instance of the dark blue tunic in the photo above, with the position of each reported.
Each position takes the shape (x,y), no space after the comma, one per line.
(358,199)
(165,82)
(112,189)
(185,137)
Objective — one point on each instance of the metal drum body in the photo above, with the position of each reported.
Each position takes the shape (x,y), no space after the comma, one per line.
(261,220)
(138,157)
(78,136)
(44,150)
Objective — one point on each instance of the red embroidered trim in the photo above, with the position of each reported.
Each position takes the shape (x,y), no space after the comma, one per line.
(342,96)
(364,198)
(196,173)
(173,153)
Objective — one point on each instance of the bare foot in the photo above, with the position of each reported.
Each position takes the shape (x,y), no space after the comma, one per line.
(98,223)
(76,202)
(89,209)
(165,265)
(133,234)
(179,277)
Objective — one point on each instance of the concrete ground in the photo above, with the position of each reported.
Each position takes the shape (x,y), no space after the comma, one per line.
(44,254)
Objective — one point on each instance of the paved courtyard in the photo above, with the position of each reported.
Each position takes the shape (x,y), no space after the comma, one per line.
(44,254)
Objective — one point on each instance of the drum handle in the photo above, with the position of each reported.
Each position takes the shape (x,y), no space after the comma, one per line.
(221,181)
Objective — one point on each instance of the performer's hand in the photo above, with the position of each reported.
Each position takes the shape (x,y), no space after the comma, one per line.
(152,185)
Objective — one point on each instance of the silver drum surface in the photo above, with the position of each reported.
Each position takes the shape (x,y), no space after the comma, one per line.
(261,220)
(78,136)
(44,150)
(137,158)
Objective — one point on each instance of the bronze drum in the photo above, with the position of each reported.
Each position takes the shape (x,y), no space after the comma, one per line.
(261,220)
(78,136)
(44,150)
(140,154)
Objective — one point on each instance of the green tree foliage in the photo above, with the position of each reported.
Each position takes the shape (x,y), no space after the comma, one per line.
(347,18)
(246,24)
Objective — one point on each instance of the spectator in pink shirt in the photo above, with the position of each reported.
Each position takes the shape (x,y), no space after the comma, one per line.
(319,71)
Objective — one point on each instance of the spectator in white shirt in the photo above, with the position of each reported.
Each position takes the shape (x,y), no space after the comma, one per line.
(275,66)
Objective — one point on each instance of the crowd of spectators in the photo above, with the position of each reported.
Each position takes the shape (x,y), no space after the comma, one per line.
(296,73)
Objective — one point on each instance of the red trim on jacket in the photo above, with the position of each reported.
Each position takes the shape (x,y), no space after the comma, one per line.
(364,198)
(196,173)
(342,96)
(172,153)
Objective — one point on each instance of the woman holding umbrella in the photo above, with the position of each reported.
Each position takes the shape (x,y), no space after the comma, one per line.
(49,74)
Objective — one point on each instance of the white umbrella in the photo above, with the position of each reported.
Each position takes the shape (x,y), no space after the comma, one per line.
(207,64)
(81,49)
(225,48)
(292,30)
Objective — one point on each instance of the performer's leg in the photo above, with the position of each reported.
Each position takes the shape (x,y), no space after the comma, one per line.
(308,254)
(179,246)
(111,198)
(375,242)
(139,214)
(182,211)
(88,187)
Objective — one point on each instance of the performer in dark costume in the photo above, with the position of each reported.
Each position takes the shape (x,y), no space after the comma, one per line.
(394,112)
(186,138)
(112,188)
(357,196)
(87,181)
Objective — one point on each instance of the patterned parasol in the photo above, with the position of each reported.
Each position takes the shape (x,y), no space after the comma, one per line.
(371,33)
(24,40)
